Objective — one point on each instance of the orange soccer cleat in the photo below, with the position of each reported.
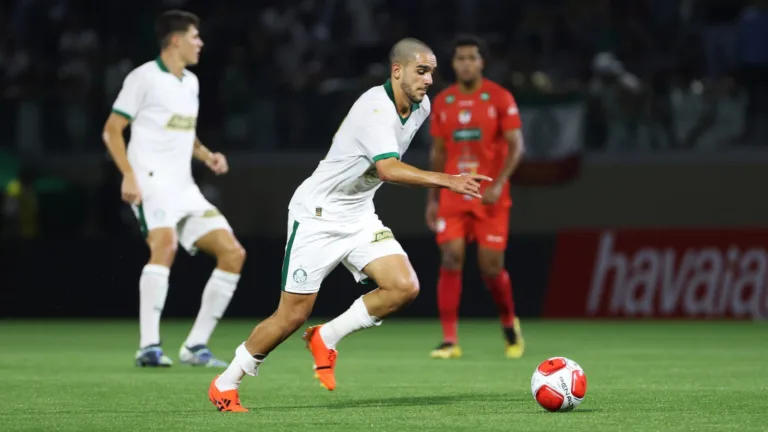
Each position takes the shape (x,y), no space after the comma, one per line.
(225,401)
(325,359)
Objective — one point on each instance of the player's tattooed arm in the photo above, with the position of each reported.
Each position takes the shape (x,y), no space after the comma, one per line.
(216,161)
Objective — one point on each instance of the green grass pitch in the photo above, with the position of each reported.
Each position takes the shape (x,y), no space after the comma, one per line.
(642,376)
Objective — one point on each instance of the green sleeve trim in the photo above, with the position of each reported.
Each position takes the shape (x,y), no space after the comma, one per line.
(386,156)
(122,113)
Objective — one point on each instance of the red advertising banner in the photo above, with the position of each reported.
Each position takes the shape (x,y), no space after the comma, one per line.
(694,274)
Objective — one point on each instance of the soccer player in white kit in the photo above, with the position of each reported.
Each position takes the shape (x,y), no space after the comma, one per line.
(159,99)
(332,220)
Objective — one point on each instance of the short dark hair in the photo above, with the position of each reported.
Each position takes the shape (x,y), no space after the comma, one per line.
(403,51)
(174,21)
(470,40)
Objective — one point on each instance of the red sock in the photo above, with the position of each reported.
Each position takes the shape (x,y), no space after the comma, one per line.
(448,298)
(501,291)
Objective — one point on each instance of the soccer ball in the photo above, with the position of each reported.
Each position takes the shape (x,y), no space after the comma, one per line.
(559,384)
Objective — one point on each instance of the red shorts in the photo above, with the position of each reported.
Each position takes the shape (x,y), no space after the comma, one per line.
(488,225)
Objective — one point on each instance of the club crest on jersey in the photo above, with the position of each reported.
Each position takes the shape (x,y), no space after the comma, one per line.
(181,123)
(382,235)
(465,116)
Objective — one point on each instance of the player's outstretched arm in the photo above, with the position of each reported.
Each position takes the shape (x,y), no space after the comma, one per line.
(393,171)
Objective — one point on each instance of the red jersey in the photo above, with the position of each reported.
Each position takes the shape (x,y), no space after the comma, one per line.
(473,127)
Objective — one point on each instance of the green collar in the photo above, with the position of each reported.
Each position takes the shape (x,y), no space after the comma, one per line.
(391,94)
(164,68)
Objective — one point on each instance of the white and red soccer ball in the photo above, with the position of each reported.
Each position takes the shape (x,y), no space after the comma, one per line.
(559,384)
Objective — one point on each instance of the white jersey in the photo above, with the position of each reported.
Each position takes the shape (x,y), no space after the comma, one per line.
(163,112)
(344,183)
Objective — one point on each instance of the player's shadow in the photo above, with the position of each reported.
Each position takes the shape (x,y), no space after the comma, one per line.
(406,401)
(576,411)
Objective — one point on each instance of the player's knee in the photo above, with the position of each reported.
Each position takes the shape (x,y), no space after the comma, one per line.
(406,287)
(452,258)
(163,251)
(491,266)
(293,319)
(294,310)
(232,258)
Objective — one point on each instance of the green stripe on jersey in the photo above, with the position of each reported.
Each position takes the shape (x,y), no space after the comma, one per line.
(287,257)
(386,156)
(122,114)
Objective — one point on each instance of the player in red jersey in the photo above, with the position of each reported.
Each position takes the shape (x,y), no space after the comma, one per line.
(475,126)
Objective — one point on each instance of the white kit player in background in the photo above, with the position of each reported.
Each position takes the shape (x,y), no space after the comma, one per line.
(159,99)
(332,220)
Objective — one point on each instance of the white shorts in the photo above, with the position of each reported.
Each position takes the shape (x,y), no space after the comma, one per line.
(187,211)
(315,247)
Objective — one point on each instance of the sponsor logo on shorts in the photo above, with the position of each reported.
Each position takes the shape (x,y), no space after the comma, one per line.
(382,235)
(494,238)
(211,213)
(299,276)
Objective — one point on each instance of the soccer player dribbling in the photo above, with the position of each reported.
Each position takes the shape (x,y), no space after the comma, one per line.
(475,127)
(159,99)
(332,221)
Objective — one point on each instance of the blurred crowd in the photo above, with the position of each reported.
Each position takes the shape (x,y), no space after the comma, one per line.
(279,75)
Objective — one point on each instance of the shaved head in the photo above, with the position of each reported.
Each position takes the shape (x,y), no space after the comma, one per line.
(406,50)
(412,63)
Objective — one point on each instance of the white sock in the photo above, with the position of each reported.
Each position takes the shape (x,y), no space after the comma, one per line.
(243,364)
(153,289)
(355,318)
(216,296)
